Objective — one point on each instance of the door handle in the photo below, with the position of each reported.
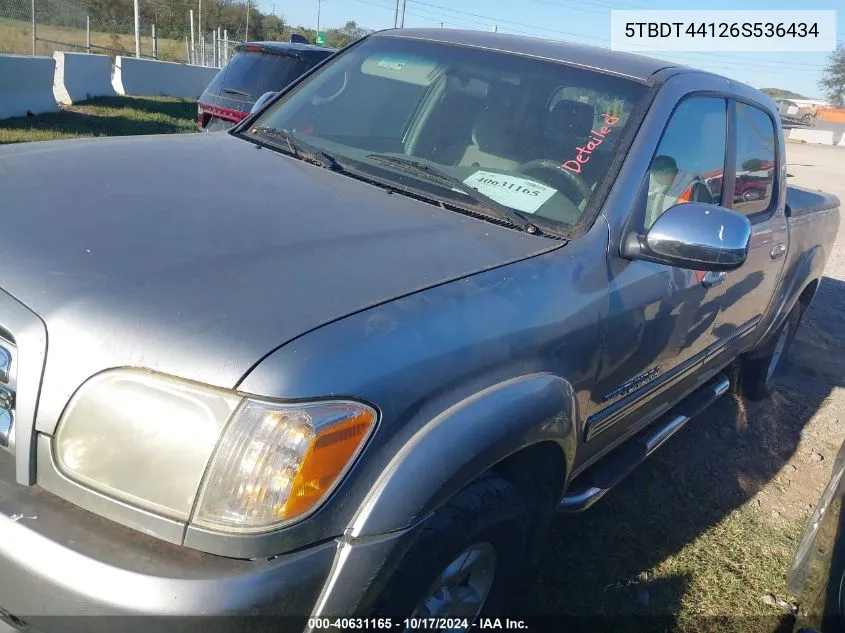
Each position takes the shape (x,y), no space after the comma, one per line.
(778,251)
(713,279)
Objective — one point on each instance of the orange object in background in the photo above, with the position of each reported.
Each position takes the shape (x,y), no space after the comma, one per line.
(834,115)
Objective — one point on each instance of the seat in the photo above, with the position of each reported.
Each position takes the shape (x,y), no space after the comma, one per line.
(492,140)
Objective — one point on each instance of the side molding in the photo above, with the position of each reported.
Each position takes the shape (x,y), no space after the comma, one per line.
(463,442)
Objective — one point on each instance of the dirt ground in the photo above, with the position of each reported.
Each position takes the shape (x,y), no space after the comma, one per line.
(701,536)
(813,380)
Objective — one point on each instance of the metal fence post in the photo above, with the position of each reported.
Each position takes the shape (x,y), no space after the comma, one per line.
(137,29)
(193,46)
(33,27)
(219,51)
(225,46)
(155,42)
(88,33)
(187,50)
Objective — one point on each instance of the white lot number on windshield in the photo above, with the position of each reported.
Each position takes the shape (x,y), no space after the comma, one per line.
(518,193)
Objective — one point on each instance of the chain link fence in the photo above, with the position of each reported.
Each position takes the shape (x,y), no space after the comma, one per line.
(41,27)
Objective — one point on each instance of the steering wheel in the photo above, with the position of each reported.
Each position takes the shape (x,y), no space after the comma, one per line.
(550,165)
(316,99)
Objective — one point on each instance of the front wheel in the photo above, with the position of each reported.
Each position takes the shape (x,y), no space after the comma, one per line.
(465,563)
(761,367)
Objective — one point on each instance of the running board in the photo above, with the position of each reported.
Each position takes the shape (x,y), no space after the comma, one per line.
(597,480)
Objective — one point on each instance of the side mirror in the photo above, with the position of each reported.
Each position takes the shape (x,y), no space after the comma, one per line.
(261,101)
(694,236)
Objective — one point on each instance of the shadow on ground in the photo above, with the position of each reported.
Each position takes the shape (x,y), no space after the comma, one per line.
(593,565)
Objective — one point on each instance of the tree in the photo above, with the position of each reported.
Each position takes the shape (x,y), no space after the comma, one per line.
(272,28)
(353,31)
(833,79)
(348,33)
(753,164)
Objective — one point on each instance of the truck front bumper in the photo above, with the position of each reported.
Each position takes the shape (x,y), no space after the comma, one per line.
(65,569)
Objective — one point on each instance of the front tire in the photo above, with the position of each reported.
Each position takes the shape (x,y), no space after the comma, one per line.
(466,561)
(761,367)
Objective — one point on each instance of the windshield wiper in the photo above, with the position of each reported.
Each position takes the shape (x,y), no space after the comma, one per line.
(301,150)
(232,91)
(496,209)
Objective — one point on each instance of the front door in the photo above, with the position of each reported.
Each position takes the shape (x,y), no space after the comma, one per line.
(661,318)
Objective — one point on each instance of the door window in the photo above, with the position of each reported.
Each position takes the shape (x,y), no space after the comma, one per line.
(755,160)
(689,163)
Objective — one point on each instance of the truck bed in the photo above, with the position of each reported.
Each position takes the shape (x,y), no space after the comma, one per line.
(801,201)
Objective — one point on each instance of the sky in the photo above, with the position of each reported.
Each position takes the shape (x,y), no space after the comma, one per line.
(582,21)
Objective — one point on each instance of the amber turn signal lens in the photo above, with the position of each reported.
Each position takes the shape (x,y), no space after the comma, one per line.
(275,462)
(326,459)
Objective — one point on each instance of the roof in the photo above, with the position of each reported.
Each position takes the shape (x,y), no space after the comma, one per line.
(628,64)
(287,46)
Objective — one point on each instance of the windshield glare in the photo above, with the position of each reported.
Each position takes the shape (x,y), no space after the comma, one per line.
(534,135)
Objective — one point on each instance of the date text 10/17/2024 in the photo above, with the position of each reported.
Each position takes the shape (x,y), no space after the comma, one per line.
(416,624)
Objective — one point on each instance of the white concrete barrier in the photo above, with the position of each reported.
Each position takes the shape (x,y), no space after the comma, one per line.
(842,140)
(80,76)
(818,137)
(26,85)
(147,77)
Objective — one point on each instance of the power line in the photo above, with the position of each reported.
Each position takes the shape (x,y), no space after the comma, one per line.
(763,64)
(731,62)
(436,19)
(595,7)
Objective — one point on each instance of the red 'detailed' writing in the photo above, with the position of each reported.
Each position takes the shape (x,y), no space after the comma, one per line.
(595,139)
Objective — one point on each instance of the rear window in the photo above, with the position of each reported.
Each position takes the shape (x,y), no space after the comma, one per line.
(256,73)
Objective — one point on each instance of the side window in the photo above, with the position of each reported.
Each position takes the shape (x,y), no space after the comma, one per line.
(755,160)
(689,163)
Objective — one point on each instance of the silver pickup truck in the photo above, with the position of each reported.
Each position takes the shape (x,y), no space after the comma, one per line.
(441,287)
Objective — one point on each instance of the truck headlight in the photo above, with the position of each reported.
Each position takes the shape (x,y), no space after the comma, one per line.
(191,452)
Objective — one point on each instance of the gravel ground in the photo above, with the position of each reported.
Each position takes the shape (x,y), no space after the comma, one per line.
(813,382)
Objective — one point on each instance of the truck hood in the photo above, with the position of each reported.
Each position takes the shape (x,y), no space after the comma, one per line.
(197,255)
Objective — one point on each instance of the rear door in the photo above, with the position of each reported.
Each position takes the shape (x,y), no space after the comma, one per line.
(754,167)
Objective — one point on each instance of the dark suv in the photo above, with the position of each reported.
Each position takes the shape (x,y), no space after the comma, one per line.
(256,68)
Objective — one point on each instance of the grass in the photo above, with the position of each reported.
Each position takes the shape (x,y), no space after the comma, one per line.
(16,37)
(713,583)
(107,116)
(682,544)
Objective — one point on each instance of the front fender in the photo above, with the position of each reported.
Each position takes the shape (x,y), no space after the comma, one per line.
(463,442)
(434,464)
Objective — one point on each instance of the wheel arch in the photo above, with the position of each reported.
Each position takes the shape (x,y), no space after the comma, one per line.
(497,429)
(801,283)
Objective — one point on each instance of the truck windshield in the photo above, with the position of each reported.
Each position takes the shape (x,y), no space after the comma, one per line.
(534,135)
